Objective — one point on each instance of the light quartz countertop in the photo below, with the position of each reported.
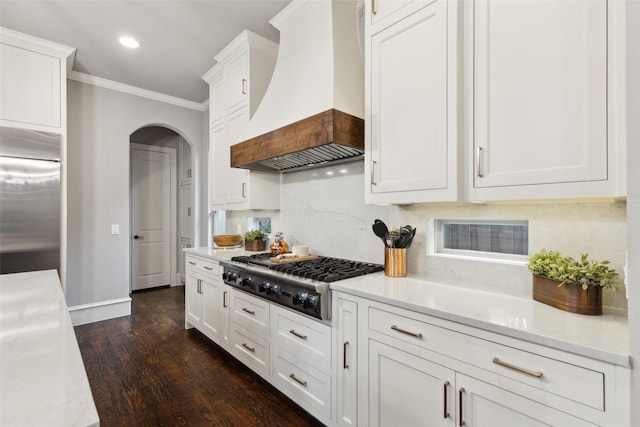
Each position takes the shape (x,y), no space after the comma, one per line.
(42,377)
(604,338)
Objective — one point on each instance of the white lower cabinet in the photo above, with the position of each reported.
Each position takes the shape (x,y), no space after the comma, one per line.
(249,325)
(406,390)
(206,302)
(481,404)
(303,361)
(412,369)
(345,318)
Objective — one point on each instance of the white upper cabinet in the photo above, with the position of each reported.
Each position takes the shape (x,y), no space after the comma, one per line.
(494,100)
(237,84)
(236,80)
(216,99)
(33,76)
(411,140)
(541,99)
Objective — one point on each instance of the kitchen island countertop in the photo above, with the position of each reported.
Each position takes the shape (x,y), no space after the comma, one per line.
(603,337)
(43,380)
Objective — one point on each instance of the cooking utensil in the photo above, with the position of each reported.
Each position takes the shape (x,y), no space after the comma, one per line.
(392,238)
(380,229)
(413,234)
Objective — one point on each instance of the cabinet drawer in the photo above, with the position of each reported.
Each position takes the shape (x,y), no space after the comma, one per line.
(250,312)
(582,385)
(250,349)
(307,339)
(203,267)
(306,385)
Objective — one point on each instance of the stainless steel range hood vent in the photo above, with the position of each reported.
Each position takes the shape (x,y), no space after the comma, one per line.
(312,112)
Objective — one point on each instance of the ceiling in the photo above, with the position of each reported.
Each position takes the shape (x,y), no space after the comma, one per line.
(178,38)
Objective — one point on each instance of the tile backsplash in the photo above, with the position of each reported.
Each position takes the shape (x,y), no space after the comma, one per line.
(324,209)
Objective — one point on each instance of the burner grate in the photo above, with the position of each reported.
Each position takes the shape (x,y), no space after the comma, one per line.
(328,269)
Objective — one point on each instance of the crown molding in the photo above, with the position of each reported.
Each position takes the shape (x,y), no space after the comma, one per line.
(136,91)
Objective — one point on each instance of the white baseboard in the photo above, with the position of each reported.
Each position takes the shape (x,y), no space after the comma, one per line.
(97,311)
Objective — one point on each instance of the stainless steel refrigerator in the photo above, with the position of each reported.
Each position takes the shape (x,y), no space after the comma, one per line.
(29,200)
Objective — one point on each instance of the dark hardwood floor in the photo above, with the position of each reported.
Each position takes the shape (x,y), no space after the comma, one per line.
(147,370)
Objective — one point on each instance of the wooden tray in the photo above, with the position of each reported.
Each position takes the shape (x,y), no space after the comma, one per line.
(293,259)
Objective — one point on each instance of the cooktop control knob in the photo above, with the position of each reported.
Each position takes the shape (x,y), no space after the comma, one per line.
(264,287)
(274,290)
(224,276)
(300,298)
(248,282)
(232,277)
(311,302)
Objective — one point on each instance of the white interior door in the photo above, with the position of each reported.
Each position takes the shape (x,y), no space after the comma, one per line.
(152,205)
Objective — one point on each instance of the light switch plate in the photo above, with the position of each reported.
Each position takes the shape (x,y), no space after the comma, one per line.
(115,229)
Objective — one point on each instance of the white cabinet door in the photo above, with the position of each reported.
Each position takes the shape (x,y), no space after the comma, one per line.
(406,390)
(346,320)
(236,80)
(539,93)
(480,404)
(237,180)
(212,308)
(412,140)
(225,317)
(30,87)
(186,212)
(216,101)
(219,165)
(193,297)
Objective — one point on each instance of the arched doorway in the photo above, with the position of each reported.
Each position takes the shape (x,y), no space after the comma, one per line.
(161,207)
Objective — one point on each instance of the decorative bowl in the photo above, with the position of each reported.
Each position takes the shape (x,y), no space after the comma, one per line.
(227,239)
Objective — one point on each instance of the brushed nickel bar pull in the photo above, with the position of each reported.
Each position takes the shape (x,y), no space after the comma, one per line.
(413,334)
(244,86)
(345,364)
(298,380)
(251,349)
(199,290)
(246,310)
(373,172)
(224,299)
(478,162)
(244,190)
(461,422)
(293,332)
(192,263)
(446,403)
(208,268)
(536,374)
(373,7)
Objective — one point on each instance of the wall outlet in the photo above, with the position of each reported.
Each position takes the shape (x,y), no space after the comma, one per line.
(115,229)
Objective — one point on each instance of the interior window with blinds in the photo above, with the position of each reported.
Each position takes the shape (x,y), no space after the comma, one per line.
(498,239)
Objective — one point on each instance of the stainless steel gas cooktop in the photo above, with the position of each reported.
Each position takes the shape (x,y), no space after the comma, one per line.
(300,285)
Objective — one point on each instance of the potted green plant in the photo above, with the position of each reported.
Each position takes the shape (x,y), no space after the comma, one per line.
(569,284)
(254,240)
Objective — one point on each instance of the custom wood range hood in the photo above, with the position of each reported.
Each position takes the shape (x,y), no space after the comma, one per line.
(312,112)
(330,136)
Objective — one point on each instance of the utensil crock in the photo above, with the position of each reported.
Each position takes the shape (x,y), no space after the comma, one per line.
(395,262)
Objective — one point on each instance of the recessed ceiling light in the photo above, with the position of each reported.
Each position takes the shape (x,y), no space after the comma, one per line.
(129,42)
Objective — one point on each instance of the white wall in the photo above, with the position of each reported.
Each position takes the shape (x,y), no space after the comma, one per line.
(633,206)
(100,123)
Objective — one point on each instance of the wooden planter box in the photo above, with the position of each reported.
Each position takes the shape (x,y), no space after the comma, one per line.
(568,297)
(254,245)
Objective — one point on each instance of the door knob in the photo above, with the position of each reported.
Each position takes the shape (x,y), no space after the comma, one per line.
(136,237)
